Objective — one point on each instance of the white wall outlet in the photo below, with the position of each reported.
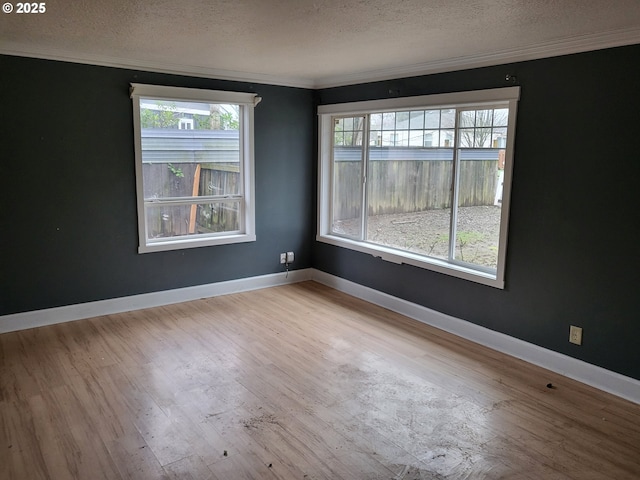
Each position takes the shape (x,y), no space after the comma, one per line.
(575,335)
(283,258)
(290,257)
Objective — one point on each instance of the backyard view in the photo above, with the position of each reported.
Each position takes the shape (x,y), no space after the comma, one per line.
(427,232)
(409,180)
(426,177)
(191,167)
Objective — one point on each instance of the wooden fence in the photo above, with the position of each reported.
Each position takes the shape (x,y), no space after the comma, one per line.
(403,186)
(395,186)
(183,180)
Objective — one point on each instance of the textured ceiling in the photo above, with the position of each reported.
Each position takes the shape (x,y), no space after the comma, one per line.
(316,43)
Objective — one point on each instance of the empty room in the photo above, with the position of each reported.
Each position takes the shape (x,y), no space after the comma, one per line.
(320,240)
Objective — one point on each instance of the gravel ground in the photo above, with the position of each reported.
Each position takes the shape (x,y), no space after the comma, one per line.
(428,232)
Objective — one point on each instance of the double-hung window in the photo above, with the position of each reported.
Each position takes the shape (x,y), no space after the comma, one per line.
(421,180)
(194,166)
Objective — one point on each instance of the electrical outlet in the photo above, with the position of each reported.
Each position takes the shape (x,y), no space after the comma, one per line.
(575,335)
(290,257)
(283,258)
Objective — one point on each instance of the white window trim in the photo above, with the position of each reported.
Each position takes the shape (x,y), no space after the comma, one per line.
(458,99)
(247,100)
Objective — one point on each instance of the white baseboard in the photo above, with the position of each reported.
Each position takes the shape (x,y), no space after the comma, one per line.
(68,313)
(620,385)
(614,383)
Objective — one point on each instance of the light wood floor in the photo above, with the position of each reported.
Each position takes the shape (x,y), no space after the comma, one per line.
(293,382)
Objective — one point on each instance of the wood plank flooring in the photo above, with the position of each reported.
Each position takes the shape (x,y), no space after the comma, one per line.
(293,382)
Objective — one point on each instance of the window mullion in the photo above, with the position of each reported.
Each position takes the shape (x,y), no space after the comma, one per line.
(455,183)
(365,174)
(243,147)
(193,200)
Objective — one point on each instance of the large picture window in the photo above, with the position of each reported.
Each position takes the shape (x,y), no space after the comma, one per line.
(194,166)
(421,180)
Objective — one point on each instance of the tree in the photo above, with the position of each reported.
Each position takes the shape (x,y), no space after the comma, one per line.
(222,119)
(476,126)
(353,136)
(164,117)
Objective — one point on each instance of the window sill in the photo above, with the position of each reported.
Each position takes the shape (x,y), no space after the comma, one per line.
(400,257)
(179,244)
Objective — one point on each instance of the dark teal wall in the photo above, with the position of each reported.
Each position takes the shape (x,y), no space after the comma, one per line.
(572,254)
(68,187)
(69,218)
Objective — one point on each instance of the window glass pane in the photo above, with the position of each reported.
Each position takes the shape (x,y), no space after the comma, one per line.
(432,119)
(402,120)
(389,121)
(163,180)
(375,120)
(466,137)
(170,220)
(499,137)
(348,165)
(409,200)
(388,139)
(467,118)
(482,137)
(170,180)
(431,138)
(402,138)
(375,137)
(484,118)
(416,138)
(338,138)
(354,136)
(416,120)
(500,117)
(428,139)
(347,124)
(446,138)
(479,208)
(218,179)
(218,217)
(447,118)
(183,140)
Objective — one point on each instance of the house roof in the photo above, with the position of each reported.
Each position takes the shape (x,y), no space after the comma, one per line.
(315,43)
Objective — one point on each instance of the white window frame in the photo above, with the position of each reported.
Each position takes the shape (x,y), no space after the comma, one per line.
(447,100)
(247,101)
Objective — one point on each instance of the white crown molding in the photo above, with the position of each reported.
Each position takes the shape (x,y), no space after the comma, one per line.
(600,378)
(45,53)
(563,46)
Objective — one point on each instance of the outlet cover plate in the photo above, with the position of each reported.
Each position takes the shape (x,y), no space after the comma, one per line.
(575,335)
